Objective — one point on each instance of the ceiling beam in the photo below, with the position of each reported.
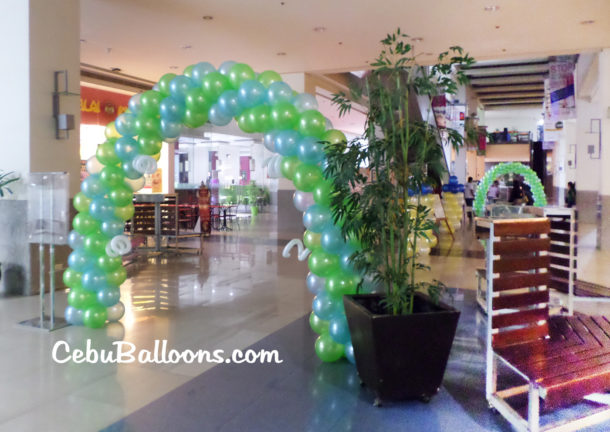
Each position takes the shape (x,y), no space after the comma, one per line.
(518,79)
(509,88)
(513,102)
(516,95)
(508,70)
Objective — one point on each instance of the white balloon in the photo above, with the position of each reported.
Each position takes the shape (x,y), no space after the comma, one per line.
(302,200)
(136,184)
(278,166)
(116,312)
(93,166)
(305,102)
(273,166)
(144,164)
(329,124)
(120,244)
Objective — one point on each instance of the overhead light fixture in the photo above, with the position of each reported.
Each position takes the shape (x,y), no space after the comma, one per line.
(319,29)
(186,46)
(207,17)
(586,22)
(173,67)
(83,40)
(115,69)
(340,43)
(491,8)
(281,53)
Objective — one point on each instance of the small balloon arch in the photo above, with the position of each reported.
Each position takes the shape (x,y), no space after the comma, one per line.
(530,177)
(261,103)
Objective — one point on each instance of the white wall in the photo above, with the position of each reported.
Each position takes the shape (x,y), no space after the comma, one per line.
(520,119)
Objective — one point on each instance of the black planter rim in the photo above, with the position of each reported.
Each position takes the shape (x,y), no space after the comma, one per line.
(444,308)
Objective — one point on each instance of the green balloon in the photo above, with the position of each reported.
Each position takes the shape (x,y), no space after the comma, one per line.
(322,263)
(341,283)
(327,349)
(196,101)
(214,84)
(96,243)
(164,83)
(95,316)
(289,165)
(148,125)
(322,193)
(117,276)
(105,153)
(261,119)
(149,144)
(81,202)
(268,77)
(149,103)
(80,298)
(85,224)
(334,136)
(307,176)
(239,73)
(72,278)
(195,119)
(313,123)
(312,240)
(121,195)
(188,71)
(112,176)
(318,325)
(246,121)
(124,213)
(109,264)
(284,116)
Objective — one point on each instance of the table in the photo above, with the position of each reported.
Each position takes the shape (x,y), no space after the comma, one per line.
(224,208)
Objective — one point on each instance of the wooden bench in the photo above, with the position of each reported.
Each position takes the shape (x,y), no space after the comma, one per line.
(561,359)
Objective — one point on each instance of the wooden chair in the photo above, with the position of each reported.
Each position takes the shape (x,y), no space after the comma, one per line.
(562,359)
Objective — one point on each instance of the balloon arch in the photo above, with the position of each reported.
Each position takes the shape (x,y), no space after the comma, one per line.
(531,178)
(261,103)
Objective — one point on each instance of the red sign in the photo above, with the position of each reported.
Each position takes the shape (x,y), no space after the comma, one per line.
(100,107)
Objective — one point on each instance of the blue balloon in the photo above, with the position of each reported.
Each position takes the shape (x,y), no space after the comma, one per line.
(326,307)
(339,330)
(170,129)
(172,109)
(75,240)
(126,148)
(251,93)
(427,189)
(200,70)
(126,124)
(79,260)
(349,353)
(454,188)
(228,104)
(286,142)
(134,104)
(310,150)
(460,188)
(269,141)
(92,187)
(217,118)
(345,262)
(73,315)
(410,192)
(94,279)
(446,188)
(315,283)
(316,218)
(279,91)
(130,172)
(179,86)
(109,296)
(101,208)
(305,102)
(332,239)
(453,180)
(226,66)
(112,226)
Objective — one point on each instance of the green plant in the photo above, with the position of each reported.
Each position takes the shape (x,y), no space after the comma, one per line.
(5,180)
(381,205)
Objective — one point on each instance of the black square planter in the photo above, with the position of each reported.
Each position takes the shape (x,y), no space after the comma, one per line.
(401,356)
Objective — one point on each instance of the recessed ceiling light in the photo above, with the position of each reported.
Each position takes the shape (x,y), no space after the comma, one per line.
(340,43)
(586,22)
(173,67)
(208,17)
(281,53)
(503,49)
(319,29)
(108,50)
(186,46)
(83,40)
(491,8)
(417,39)
(282,3)
(497,27)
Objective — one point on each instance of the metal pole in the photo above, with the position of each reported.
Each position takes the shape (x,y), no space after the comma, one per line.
(41,259)
(52,258)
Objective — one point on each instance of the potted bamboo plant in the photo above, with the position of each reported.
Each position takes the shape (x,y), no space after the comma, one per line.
(402,337)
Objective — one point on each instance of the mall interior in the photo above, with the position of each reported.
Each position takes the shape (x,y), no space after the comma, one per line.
(167,186)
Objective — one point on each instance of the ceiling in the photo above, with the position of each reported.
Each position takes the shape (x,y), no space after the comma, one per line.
(148,38)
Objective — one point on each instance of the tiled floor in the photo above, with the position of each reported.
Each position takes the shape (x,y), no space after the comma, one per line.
(239,291)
